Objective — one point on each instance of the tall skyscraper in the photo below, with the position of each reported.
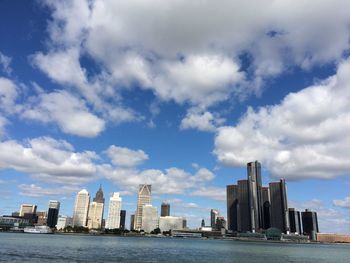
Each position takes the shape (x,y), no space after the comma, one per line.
(279,206)
(294,221)
(52,213)
(149,218)
(115,204)
(214,213)
(143,198)
(95,215)
(310,223)
(27,209)
(132,222)
(81,208)
(244,222)
(255,196)
(266,207)
(165,209)
(122,219)
(232,207)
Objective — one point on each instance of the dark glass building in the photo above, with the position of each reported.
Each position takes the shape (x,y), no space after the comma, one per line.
(122,219)
(310,223)
(165,209)
(243,218)
(232,207)
(279,206)
(294,221)
(266,207)
(52,213)
(132,222)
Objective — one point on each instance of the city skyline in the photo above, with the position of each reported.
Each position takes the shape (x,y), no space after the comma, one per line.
(90,96)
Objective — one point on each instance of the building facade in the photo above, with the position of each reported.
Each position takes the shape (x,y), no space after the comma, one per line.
(81,208)
(95,215)
(232,207)
(132,222)
(168,223)
(52,213)
(244,222)
(214,214)
(266,207)
(149,218)
(27,209)
(294,221)
(122,219)
(63,222)
(165,209)
(310,223)
(144,197)
(115,204)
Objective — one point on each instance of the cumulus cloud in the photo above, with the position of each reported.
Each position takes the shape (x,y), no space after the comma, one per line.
(344,203)
(5,63)
(205,121)
(8,95)
(3,122)
(69,112)
(125,157)
(306,135)
(34,190)
(215,193)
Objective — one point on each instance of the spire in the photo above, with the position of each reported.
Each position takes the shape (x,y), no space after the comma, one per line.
(99,196)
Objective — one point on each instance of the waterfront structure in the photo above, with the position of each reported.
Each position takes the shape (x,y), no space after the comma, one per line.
(95,215)
(132,222)
(63,222)
(115,204)
(244,222)
(52,213)
(42,218)
(167,223)
(149,218)
(203,223)
(294,221)
(232,207)
(7,222)
(165,209)
(333,238)
(143,198)
(27,209)
(279,206)
(122,219)
(214,213)
(266,207)
(255,196)
(81,208)
(310,223)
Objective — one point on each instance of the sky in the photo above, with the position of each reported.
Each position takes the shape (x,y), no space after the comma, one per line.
(178,94)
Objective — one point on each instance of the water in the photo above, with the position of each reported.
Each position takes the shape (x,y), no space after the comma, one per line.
(74,248)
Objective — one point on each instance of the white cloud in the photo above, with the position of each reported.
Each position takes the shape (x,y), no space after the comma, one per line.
(215,193)
(125,157)
(3,122)
(69,112)
(8,95)
(205,121)
(34,190)
(344,203)
(5,63)
(306,135)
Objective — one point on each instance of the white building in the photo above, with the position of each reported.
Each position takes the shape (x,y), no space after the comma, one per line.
(27,209)
(81,208)
(167,223)
(63,221)
(115,205)
(95,215)
(143,198)
(149,218)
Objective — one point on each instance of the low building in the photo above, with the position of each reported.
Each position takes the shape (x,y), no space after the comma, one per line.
(167,223)
(63,222)
(149,218)
(333,238)
(7,222)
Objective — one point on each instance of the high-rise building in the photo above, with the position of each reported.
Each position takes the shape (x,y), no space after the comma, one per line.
(42,218)
(310,223)
(255,196)
(115,204)
(143,198)
(81,208)
(149,218)
(95,215)
(244,222)
(294,221)
(266,207)
(122,219)
(167,223)
(132,222)
(232,207)
(279,206)
(27,209)
(214,213)
(165,209)
(184,223)
(52,213)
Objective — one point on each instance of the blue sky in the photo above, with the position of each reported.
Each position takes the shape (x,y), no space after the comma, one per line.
(177,94)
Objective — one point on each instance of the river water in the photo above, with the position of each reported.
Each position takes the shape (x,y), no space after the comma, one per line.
(16,247)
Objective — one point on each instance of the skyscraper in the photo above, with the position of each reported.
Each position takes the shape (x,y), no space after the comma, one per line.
(244,222)
(132,222)
(214,213)
(294,221)
(232,207)
(27,209)
(279,206)
(115,204)
(52,213)
(266,207)
(95,215)
(165,209)
(122,219)
(143,198)
(310,223)
(149,218)
(81,208)
(255,198)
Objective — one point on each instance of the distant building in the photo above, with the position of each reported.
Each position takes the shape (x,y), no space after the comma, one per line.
(202,223)
(122,219)
(266,207)
(81,208)
(294,221)
(15,214)
(52,213)
(184,223)
(143,198)
(149,218)
(310,223)
(115,204)
(220,223)
(42,218)
(27,209)
(333,238)
(244,222)
(232,207)
(214,213)
(132,222)
(165,209)
(7,222)
(167,223)
(95,215)
(63,222)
